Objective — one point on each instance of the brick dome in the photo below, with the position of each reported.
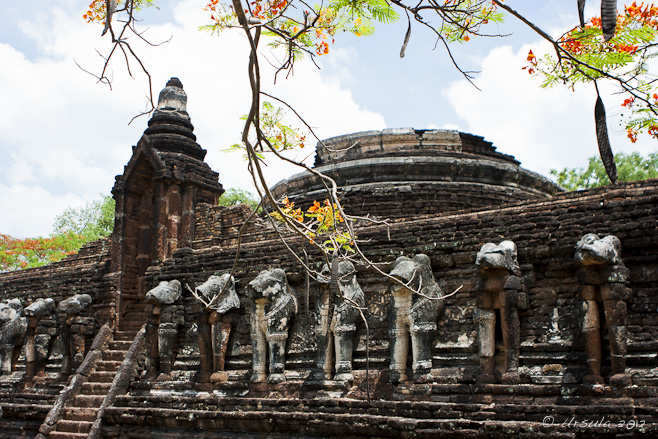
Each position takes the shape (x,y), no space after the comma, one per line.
(402,172)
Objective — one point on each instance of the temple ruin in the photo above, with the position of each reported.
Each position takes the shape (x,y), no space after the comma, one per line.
(552,330)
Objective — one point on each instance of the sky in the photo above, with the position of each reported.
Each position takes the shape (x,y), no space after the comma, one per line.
(64,136)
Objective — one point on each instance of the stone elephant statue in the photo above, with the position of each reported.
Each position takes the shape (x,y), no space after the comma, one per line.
(603,279)
(73,331)
(414,310)
(162,328)
(13,328)
(500,288)
(275,305)
(38,347)
(336,338)
(220,300)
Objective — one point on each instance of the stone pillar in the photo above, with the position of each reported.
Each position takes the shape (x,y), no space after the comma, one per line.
(398,330)
(117,251)
(259,344)
(485,323)
(160,221)
(174,211)
(188,216)
(152,345)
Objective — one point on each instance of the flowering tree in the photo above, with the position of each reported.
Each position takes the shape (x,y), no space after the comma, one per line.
(624,58)
(72,229)
(610,48)
(616,48)
(16,254)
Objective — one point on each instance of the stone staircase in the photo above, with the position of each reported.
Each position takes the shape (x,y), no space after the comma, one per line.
(80,413)
(22,411)
(455,411)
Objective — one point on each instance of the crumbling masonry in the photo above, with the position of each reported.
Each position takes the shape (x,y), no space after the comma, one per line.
(553,331)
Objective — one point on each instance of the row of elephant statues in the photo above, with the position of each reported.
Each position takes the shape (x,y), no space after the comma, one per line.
(415,307)
(18,330)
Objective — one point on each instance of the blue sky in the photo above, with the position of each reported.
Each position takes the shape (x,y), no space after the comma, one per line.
(63,137)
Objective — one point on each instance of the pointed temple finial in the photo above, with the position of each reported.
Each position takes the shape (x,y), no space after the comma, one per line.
(175,82)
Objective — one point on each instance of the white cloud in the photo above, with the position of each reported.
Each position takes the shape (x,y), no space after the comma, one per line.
(543,128)
(65,136)
(38,207)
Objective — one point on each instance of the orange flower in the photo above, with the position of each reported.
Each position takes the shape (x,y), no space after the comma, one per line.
(314,208)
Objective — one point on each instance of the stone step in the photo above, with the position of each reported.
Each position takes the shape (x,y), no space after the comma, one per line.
(92,401)
(475,407)
(95,388)
(108,365)
(80,414)
(126,335)
(119,345)
(66,435)
(130,330)
(73,426)
(541,423)
(19,428)
(134,322)
(113,355)
(102,376)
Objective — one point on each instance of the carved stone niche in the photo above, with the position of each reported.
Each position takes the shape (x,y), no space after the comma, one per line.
(13,327)
(38,348)
(413,313)
(220,301)
(162,329)
(500,287)
(604,278)
(338,335)
(275,305)
(73,330)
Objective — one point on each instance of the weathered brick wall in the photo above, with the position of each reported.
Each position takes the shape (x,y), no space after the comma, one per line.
(220,224)
(397,200)
(81,273)
(551,349)
(545,234)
